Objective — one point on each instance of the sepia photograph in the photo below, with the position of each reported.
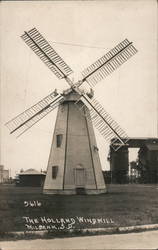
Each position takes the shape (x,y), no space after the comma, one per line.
(79,125)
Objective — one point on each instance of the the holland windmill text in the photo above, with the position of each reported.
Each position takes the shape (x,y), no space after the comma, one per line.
(74,164)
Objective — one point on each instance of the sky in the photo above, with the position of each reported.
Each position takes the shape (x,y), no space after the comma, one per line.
(129,94)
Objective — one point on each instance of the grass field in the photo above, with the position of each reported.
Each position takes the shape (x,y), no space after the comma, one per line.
(123,205)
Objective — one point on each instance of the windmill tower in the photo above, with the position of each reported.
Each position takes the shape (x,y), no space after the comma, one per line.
(74,164)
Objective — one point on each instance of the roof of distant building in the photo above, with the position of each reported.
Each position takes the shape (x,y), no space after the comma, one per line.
(31,171)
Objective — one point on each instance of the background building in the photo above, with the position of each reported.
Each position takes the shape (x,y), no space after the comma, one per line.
(30,177)
(146,168)
(4,174)
(148,163)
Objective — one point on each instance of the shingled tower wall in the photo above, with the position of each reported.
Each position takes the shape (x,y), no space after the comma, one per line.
(74,164)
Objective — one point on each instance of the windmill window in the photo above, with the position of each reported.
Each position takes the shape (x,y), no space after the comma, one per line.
(59,139)
(54,172)
(95,148)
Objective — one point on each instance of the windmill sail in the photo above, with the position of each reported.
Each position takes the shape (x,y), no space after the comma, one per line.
(108,63)
(104,122)
(46,53)
(28,118)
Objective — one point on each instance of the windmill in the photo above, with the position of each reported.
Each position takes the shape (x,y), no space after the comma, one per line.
(74,164)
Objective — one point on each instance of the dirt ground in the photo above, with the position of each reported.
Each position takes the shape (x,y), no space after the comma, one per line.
(145,240)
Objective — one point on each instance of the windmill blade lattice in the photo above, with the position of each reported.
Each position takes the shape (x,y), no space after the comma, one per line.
(108,63)
(46,53)
(28,118)
(103,122)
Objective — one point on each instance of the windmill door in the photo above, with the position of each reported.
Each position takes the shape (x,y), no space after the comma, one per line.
(80,177)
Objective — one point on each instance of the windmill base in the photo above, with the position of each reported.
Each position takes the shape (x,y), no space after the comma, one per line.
(74,191)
